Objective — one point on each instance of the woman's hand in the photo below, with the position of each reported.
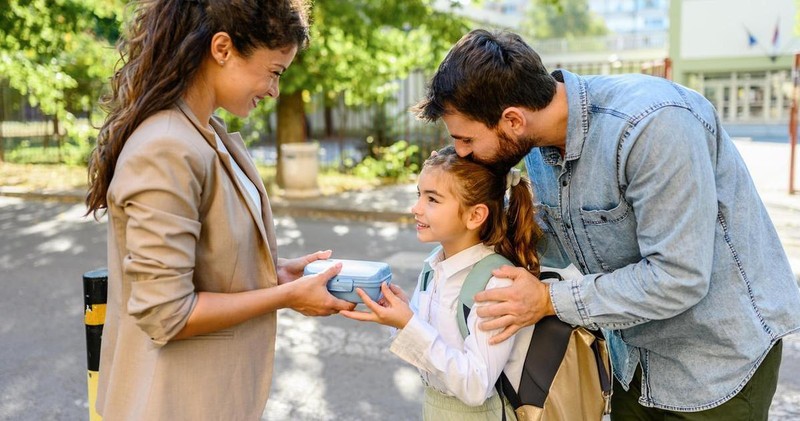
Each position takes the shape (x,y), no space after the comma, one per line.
(393,309)
(309,294)
(292,269)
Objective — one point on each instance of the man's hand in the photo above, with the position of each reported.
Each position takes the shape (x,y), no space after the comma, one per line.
(522,304)
(393,310)
(292,269)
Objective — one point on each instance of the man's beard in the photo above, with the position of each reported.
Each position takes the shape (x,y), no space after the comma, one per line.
(509,153)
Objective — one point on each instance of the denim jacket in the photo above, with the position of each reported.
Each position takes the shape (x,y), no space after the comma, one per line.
(682,267)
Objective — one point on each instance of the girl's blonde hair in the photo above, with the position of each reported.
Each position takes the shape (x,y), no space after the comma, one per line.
(513,230)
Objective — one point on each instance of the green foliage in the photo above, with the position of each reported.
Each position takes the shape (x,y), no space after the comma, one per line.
(562,19)
(34,147)
(58,53)
(360,46)
(253,128)
(359,49)
(395,162)
(70,153)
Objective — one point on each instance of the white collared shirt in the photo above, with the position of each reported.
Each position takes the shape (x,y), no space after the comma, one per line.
(252,191)
(431,341)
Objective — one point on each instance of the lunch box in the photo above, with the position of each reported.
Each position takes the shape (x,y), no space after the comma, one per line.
(363,274)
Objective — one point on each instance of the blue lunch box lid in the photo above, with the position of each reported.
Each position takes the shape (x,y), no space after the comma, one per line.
(354,274)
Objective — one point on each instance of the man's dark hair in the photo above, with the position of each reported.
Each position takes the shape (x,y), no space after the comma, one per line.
(485,73)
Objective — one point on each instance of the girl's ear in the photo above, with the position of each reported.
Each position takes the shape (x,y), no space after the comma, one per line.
(476,216)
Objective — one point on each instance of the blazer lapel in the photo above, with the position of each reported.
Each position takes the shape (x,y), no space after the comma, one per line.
(233,142)
(235,147)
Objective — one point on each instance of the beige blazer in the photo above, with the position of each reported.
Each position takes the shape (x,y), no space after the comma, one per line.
(181,222)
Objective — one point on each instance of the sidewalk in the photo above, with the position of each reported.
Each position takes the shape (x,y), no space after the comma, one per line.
(768,164)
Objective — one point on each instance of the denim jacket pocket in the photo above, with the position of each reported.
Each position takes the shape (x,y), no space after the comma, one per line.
(550,247)
(611,234)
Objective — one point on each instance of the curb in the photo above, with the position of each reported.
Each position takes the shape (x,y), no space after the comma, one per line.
(281,207)
(44,195)
(295,210)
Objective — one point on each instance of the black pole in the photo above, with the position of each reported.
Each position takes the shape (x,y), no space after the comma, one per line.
(95,291)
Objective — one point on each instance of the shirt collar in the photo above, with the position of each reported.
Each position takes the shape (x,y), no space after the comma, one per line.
(459,261)
(577,120)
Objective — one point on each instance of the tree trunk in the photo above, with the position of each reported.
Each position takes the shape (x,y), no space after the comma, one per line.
(46,143)
(57,132)
(328,120)
(291,125)
(2,120)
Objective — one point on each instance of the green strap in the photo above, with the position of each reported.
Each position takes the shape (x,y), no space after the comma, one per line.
(476,281)
(427,270)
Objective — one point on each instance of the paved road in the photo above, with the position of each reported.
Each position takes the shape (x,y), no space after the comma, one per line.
(330,368)
(326,369)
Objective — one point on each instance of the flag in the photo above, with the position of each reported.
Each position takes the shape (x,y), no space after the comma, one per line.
(776,34)
(751,39)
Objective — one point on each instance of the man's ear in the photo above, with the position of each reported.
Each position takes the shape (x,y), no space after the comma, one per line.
(513,120)
(476,216)
(221,47)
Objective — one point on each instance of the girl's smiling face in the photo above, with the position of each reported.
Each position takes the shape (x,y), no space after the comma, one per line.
(439,214)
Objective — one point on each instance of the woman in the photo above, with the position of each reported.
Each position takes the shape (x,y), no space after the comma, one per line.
(194,278)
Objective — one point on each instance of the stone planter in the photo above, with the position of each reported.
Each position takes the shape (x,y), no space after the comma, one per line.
(299,168)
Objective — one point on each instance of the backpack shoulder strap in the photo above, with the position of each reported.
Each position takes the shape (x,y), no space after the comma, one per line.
(427,270)
(476,281)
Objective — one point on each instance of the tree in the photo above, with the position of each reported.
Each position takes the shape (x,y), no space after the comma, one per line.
(357,48)
(563,19)
(58,52)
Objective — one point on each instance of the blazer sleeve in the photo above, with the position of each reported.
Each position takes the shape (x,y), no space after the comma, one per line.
(157,185)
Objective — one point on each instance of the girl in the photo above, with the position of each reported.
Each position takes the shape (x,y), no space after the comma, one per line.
(194,280)
(460,206)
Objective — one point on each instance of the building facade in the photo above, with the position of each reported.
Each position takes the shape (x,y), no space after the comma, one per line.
(738,54)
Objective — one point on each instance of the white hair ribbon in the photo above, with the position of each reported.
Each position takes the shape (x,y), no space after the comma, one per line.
(513,177)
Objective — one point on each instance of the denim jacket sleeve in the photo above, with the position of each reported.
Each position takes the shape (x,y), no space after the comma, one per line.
(666,174)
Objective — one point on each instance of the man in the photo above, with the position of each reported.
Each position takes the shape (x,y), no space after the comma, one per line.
(636,184)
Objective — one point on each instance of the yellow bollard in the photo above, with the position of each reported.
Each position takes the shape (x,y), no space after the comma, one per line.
(95,290)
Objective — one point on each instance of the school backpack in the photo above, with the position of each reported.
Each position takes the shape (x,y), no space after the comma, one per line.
(566,374)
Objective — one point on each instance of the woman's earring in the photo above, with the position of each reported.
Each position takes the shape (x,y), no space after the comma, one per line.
(222,62)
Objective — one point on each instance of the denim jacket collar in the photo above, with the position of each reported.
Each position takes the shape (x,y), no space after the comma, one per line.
(577,122)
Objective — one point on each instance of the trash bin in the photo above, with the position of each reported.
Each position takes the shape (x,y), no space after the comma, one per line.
(300,165)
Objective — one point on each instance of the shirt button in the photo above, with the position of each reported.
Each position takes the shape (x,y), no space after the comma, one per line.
(564,183)
(566,225)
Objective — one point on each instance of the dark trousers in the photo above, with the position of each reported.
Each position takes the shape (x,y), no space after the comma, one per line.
(751,403)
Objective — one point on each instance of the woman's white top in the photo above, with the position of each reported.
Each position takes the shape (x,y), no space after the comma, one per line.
(431,341)
(252,191)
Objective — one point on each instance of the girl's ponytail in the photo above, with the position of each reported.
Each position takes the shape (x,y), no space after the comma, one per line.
(522,233)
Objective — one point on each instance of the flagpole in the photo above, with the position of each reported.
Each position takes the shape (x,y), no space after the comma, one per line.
(793,121)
